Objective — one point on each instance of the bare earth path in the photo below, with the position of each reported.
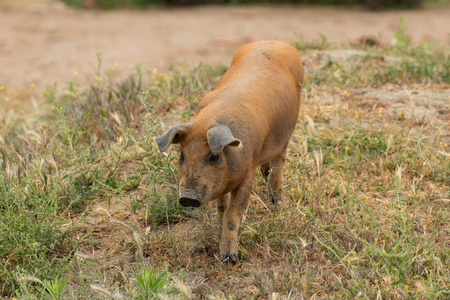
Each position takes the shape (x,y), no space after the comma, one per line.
(42,42)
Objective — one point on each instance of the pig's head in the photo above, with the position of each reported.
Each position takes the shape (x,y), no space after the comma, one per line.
(204,168)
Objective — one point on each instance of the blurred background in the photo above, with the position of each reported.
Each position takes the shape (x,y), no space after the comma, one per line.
(47,42)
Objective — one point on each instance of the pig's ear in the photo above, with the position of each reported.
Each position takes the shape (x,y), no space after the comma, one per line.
(173,136)
(219,137)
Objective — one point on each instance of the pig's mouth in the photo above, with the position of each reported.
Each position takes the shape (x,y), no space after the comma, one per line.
(189,199)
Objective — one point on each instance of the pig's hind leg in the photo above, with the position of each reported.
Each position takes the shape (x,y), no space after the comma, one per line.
(275,178)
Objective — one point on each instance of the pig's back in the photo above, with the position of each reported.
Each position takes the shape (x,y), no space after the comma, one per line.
(260,92)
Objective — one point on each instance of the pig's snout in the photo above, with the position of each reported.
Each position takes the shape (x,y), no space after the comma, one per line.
(189,198)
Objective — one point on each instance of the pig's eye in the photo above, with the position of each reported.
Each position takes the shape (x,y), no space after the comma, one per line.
(181,157)
(213,158)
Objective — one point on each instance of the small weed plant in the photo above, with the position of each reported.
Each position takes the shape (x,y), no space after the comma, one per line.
(151,282)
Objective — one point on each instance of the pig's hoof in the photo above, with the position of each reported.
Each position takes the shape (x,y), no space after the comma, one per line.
(228,257)
(275,200)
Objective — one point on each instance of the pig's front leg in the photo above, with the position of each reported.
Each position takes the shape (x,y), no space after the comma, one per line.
(222,203)
(232,218)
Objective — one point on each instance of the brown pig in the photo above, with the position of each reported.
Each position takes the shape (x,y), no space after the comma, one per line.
(243,124)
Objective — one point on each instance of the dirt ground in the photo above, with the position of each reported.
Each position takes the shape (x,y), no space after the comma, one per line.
(43,41)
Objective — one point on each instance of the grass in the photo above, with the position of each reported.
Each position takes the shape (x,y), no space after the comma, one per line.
(374,65)
(88,206)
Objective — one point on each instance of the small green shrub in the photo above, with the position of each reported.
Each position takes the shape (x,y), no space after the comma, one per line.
(151,282)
